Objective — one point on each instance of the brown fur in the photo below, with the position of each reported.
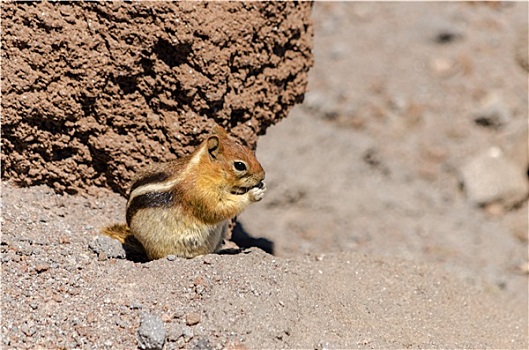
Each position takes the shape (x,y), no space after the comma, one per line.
(183,207)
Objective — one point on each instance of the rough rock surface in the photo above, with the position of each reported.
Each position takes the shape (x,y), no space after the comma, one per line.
(92,90)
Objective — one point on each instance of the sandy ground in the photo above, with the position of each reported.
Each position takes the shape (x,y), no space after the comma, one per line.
(375,244)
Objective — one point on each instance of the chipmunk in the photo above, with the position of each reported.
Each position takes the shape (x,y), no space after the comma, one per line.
(184,207)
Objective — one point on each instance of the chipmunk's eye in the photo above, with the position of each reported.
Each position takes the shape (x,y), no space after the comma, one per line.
(239,166)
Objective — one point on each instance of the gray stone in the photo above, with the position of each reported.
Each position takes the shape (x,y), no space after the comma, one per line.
(201,344)
(187,333)
(151,333)
(492,177)
(110,247)
(174,332)
(493,112)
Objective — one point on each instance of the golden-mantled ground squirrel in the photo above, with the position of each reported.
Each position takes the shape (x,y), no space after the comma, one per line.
(184,207)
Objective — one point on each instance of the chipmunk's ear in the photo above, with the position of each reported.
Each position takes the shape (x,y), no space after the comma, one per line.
(215,141)
(214,146)
(220,132)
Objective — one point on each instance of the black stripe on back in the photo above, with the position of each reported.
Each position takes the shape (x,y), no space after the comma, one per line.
(156,177)
(149,200)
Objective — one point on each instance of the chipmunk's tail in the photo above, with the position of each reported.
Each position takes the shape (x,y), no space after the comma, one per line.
(117,231)
(132,246)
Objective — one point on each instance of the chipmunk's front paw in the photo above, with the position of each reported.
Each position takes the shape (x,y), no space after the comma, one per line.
(257,193)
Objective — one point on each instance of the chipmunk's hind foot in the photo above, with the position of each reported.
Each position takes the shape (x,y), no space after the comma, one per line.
(135,250)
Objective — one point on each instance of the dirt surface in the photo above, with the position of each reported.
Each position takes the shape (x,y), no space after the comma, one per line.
(380,143)
(91,91)
(377,242)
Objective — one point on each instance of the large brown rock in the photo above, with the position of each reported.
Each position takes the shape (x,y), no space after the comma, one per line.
(92,91)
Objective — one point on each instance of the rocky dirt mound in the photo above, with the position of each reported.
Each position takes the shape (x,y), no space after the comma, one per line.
(92,90)
(57,293)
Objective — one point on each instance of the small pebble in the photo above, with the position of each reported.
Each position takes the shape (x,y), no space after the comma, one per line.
(166,317)
(42,267)
(201,343)
(136,306)
(493,112)
(64,240)
(443,67)
(122,323)
(102,256)
(494,209)
(443,32)
(192,318)
(188,333)
(491,177)
(171,257)
(174,332)
(180,343)
(208,260)
(523,268)
(28,330)
(91,318)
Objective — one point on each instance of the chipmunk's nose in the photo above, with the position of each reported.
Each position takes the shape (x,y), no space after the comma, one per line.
(260,185)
